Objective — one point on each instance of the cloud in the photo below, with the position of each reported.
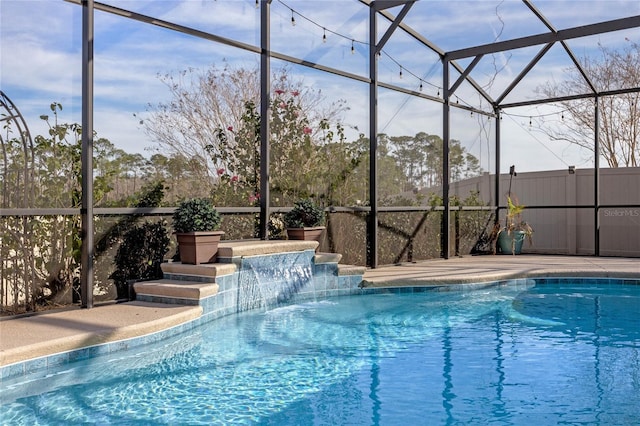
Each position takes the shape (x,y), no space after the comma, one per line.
(127,134)
(41,54)
(34,67)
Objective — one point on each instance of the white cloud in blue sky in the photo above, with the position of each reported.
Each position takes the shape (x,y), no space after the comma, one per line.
(40,56)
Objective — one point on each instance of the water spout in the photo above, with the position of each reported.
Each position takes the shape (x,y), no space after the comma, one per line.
(268,281)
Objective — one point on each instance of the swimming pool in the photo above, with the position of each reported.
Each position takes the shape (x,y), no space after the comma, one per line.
(547,353)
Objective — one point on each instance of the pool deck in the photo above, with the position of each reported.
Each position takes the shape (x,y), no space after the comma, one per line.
(472,269)
(52,332)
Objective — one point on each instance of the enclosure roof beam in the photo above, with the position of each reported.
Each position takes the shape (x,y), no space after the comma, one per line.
(540,16)
(169,25)
(410,31)
(578,66)
(422,40)
(524,72)
(569,33)
(566,47)
(387,4)
(465,74)
(313,65)
(394,25)
(473,83)
(571,97)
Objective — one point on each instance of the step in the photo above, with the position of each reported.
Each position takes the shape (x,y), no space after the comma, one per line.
(351,270)
(229,250)
(176,289)
(327,258)
(204,272)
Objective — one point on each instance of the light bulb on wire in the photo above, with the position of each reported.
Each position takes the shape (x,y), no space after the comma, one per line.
(324,35)
(293,19)
(353,49)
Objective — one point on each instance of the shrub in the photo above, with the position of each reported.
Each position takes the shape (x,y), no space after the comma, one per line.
(304,214)
(196,214)
(140,255)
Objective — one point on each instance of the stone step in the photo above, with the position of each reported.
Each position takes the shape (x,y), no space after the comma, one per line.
(351,270)
(176,289)
(203,273)
(233,249)
(328,258)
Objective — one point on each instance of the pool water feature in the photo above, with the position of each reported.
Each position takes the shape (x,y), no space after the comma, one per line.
(545,353)
(264,283)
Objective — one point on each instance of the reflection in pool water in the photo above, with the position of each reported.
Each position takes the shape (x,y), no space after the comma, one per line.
(546,354)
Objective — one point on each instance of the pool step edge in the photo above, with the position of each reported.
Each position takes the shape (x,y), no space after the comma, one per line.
(176,289)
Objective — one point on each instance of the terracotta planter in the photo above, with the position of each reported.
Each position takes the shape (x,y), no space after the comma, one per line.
(306,234)
(198,247)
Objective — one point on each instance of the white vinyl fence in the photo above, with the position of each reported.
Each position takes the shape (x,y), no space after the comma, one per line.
(571,230)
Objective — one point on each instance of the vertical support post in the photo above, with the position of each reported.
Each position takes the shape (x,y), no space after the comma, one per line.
(86,209)
(445,234)
(596,177)
(571,215)
(372,225)
(265,114)
(497,165)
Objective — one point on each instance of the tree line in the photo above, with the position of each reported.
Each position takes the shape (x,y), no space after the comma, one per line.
(310,157)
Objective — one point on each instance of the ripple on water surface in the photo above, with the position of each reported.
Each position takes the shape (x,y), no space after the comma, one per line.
(505,355)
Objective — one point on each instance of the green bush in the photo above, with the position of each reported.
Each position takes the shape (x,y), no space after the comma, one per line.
(140,255)
(196,214)
(304,214)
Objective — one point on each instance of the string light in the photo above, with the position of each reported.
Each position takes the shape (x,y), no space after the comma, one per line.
(325,30)
(532,134)
(257,4)
(540,116)
(353,50)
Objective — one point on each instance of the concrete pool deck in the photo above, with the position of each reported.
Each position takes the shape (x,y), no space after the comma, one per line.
(472,269)
(53,332)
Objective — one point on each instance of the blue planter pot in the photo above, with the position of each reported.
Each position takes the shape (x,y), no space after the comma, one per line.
(511,242)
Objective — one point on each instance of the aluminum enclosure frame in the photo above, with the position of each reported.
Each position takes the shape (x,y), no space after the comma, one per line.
(377,10)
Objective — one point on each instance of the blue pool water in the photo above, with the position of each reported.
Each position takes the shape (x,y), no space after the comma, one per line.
(506,355)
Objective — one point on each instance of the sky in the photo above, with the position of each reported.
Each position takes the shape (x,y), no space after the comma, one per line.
(40,63)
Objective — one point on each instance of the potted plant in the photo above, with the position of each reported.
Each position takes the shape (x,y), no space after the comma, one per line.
(515,231)
(196,223)
(305,221)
